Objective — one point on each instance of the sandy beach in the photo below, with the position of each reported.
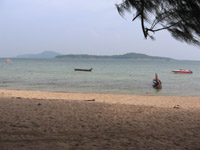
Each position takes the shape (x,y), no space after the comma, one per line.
(55,121)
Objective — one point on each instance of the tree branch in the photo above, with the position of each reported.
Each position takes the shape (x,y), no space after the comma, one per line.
(167,27)
(142,20)
(136,16)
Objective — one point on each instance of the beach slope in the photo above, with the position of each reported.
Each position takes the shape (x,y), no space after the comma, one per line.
(45,120)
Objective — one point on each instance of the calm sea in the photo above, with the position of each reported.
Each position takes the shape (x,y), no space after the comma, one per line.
(108,76)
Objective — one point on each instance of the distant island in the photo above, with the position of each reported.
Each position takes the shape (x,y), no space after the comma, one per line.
(125,56)
(45,54)
(51,54)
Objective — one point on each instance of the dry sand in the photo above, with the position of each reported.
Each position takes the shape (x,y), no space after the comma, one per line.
(70,121)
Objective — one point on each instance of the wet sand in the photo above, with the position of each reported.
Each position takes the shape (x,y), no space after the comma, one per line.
(56,121)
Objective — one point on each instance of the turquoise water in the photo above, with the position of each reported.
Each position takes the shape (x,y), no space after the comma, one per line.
(108,76)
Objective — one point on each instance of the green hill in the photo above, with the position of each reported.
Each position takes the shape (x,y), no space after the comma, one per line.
(125,56)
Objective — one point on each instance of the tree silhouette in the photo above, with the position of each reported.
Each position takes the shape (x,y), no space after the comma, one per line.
(180,17)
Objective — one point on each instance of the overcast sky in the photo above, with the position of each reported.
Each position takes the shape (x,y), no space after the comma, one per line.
(79,27)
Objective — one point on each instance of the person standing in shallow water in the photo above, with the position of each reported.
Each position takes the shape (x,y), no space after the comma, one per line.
(156,82)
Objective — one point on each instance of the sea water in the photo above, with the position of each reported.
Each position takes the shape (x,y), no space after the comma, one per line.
(108,76)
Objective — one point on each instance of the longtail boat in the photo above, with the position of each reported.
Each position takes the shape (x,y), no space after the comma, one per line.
(78,69)
(157,84)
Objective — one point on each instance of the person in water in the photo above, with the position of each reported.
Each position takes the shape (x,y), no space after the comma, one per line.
(156,82)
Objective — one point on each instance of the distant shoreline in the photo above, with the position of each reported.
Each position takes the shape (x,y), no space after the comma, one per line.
(170,59)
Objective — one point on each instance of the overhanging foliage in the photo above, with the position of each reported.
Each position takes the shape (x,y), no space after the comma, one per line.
(180,17)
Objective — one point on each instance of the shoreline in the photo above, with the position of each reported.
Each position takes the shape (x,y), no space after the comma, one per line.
(141,100)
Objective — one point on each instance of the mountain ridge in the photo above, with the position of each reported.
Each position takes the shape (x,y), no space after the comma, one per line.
(45,54)
(123,56)
(51,54)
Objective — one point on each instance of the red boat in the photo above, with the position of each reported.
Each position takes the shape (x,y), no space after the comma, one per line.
(8,60)
(182,71)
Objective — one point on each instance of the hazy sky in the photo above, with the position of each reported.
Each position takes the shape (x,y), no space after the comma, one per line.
(79,27)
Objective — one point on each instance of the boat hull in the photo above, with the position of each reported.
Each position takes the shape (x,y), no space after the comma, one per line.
(157,84)
(182,71)
(77,69)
